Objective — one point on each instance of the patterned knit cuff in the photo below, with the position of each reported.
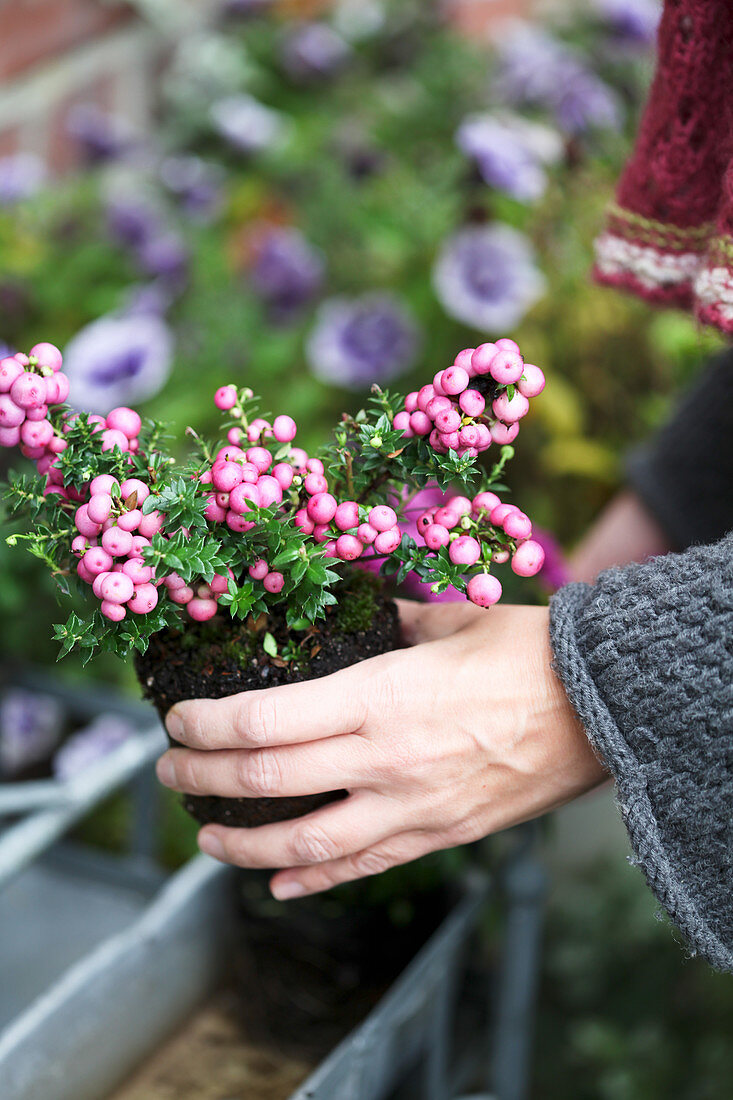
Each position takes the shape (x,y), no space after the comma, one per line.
(567,609)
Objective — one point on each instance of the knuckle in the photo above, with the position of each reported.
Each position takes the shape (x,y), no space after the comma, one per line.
(369,863)
(256,719)
(312,845)
(187,773)
(261,772)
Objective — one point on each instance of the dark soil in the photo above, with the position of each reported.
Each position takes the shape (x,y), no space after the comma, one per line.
(310,970)
(225,656)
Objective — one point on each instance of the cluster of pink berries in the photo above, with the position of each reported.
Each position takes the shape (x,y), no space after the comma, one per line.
(348,529)
(29,384)
(452,410)
(479,532)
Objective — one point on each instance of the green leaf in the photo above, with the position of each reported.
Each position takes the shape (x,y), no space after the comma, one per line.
(269,645)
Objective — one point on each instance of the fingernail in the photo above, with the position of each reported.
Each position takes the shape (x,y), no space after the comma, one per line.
(174,724)
(284,891)
(210,845)
(166,772)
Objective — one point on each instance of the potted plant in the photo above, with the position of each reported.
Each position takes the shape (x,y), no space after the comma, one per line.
(251,563)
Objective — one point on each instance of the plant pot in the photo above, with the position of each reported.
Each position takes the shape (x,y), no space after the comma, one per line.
(225,657)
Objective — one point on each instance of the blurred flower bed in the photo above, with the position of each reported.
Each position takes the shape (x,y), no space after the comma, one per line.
(332,201)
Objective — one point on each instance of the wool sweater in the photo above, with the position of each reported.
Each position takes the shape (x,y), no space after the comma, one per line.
(646,657)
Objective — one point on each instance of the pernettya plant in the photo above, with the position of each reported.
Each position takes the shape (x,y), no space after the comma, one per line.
(255,525)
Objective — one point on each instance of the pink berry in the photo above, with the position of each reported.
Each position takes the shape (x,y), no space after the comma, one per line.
(329,549)
(507,367)
(38,412)
(130,521)
(532,382)
(96,583)
(411,402)
(455,380)
(366,534)
(472,402)
(112,438)
(242,497)
(435,442)
(260,458)
(117,542)
(61,388)
(99,507)
(464,550)
(528,559)
(322,507)
(315,484)
(447,517)
(315,466)
(500,512)
(387,542)
(259,570)
(219,583)
(151,524)
(484,590)
(28,389)
(284,429)
(225,476)
(484,437)
(103,483)
(437,404)
(302,520)
(425,395)
(79,544)
(348,547)
(235,435)
(504,433)
(117,588)
(274,582)
(97,560)
(436,536)
(182,594)
(505,344)
(517,525)
(269,491)
(84,525)
(420,422)
(500,556)
(36,433)
(137,571)
(322,532)
(230,454)
(214,512)
(48,355)
(382,517)
(225,398)
(469,436)
(485,502)
(115,612)
(144,599)
(447,421)
(126,421)
(482,358)
(450,441)
(459,504)
(9,437)
(201,610)
(401,423)
(463,359)
(11,415)
(347,515)
(139,543)
(238,523)
(284,474)
(134,485)
(425,520)
(10,369)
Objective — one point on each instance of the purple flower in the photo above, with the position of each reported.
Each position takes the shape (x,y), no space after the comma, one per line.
(357,341)
(132,222)
(90,744)
(21,176)
(632,22)
(101,135)
(245,9)
(486,277)
(118,360)
(30,728)
(510,152)
(287,271)
(537,69)
(248,125)
(143,298)
(195,183)
(165,257)
(314,51)
(6,350)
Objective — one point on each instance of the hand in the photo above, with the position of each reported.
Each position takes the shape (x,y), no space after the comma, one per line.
(466,732)
(624,532)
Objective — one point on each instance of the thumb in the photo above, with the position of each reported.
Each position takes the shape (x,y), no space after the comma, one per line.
(426,622)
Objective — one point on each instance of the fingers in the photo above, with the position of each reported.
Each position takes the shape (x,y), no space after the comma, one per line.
(392,852)
(337,830)
(332,705)
(425,622)
(285,770)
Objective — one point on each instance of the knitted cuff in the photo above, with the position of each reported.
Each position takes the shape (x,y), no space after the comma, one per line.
(567,609)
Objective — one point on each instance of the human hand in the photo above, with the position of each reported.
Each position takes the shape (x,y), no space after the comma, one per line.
(465,733)
(624,532)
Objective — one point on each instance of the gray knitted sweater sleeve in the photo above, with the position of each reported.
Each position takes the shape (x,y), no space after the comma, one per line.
(646,657)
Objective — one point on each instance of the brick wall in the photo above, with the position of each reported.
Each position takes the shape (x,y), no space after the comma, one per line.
(58,53)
